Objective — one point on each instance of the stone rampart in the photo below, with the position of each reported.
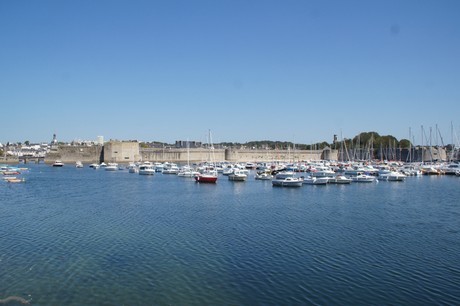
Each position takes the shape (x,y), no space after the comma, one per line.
(121,152)
(71,154)
(126,152)
(238,155)
(178,155)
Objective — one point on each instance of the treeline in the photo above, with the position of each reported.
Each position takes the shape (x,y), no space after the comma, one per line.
(373,139)
(369,139)
(363,140)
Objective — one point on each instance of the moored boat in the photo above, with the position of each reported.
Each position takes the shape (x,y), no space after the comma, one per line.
(111,167)
(14,180)
(58,163)
(147,168)
(263,175)
(95,166)
(209,173)
(363,178)
(310,180)
(171,169)
(206,177)
(430,170)
(288,182)
(132,168)
(237,175)
(451,169)
(340,179)
(393,176)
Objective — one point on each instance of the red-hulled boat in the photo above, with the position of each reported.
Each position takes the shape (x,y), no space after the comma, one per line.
(206,178)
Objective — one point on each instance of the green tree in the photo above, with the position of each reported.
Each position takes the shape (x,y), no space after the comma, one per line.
(404,143)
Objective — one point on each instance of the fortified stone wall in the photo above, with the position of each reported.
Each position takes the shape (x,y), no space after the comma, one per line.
(176,155)
(126,151)
(234,155)
(121,152)
(71,154)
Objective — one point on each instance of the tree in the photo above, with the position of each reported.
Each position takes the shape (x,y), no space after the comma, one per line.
(404,143)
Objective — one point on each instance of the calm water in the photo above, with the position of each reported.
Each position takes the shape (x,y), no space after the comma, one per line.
(91,237)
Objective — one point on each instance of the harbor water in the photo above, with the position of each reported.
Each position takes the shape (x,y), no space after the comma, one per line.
(73,236)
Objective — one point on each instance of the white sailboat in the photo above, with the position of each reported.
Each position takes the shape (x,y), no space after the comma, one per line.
(187,171)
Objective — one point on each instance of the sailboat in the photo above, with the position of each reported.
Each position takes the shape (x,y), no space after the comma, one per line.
(209,175)
(187,171)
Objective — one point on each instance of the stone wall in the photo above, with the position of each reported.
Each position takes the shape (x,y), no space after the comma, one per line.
(235,155)
(121,152)
(176,155)
(232,155)
(129,151)
(71,154)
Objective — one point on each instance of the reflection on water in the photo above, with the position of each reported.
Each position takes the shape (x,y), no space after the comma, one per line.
(79,237)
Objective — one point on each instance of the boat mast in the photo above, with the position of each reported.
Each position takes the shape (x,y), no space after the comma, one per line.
(341,146)
(188,154)
(452,149)
(410,146)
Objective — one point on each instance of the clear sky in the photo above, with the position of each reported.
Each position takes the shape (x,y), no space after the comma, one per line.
(170,70)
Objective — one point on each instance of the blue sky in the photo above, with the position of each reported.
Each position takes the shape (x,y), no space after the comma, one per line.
(297,71)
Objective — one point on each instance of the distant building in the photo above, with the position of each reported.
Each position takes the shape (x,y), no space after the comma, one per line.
(189,144)
(100,140)
(54,141)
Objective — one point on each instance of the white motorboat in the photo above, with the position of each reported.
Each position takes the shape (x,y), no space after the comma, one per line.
(78,164)
(310,180)
(410,170)
(58,163)
(451,169)
(288,182)
(188,173)
(171,169)
(339,179)
(132,168)
(393,176)
(237,175)
(158,167)
(111,167)
(284,174)
(147,169)
(322,172)
(94,166)
(228,170)
(263,175)
(363,178)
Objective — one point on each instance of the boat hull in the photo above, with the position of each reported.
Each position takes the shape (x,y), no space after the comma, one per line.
(287,183)
(205,179)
